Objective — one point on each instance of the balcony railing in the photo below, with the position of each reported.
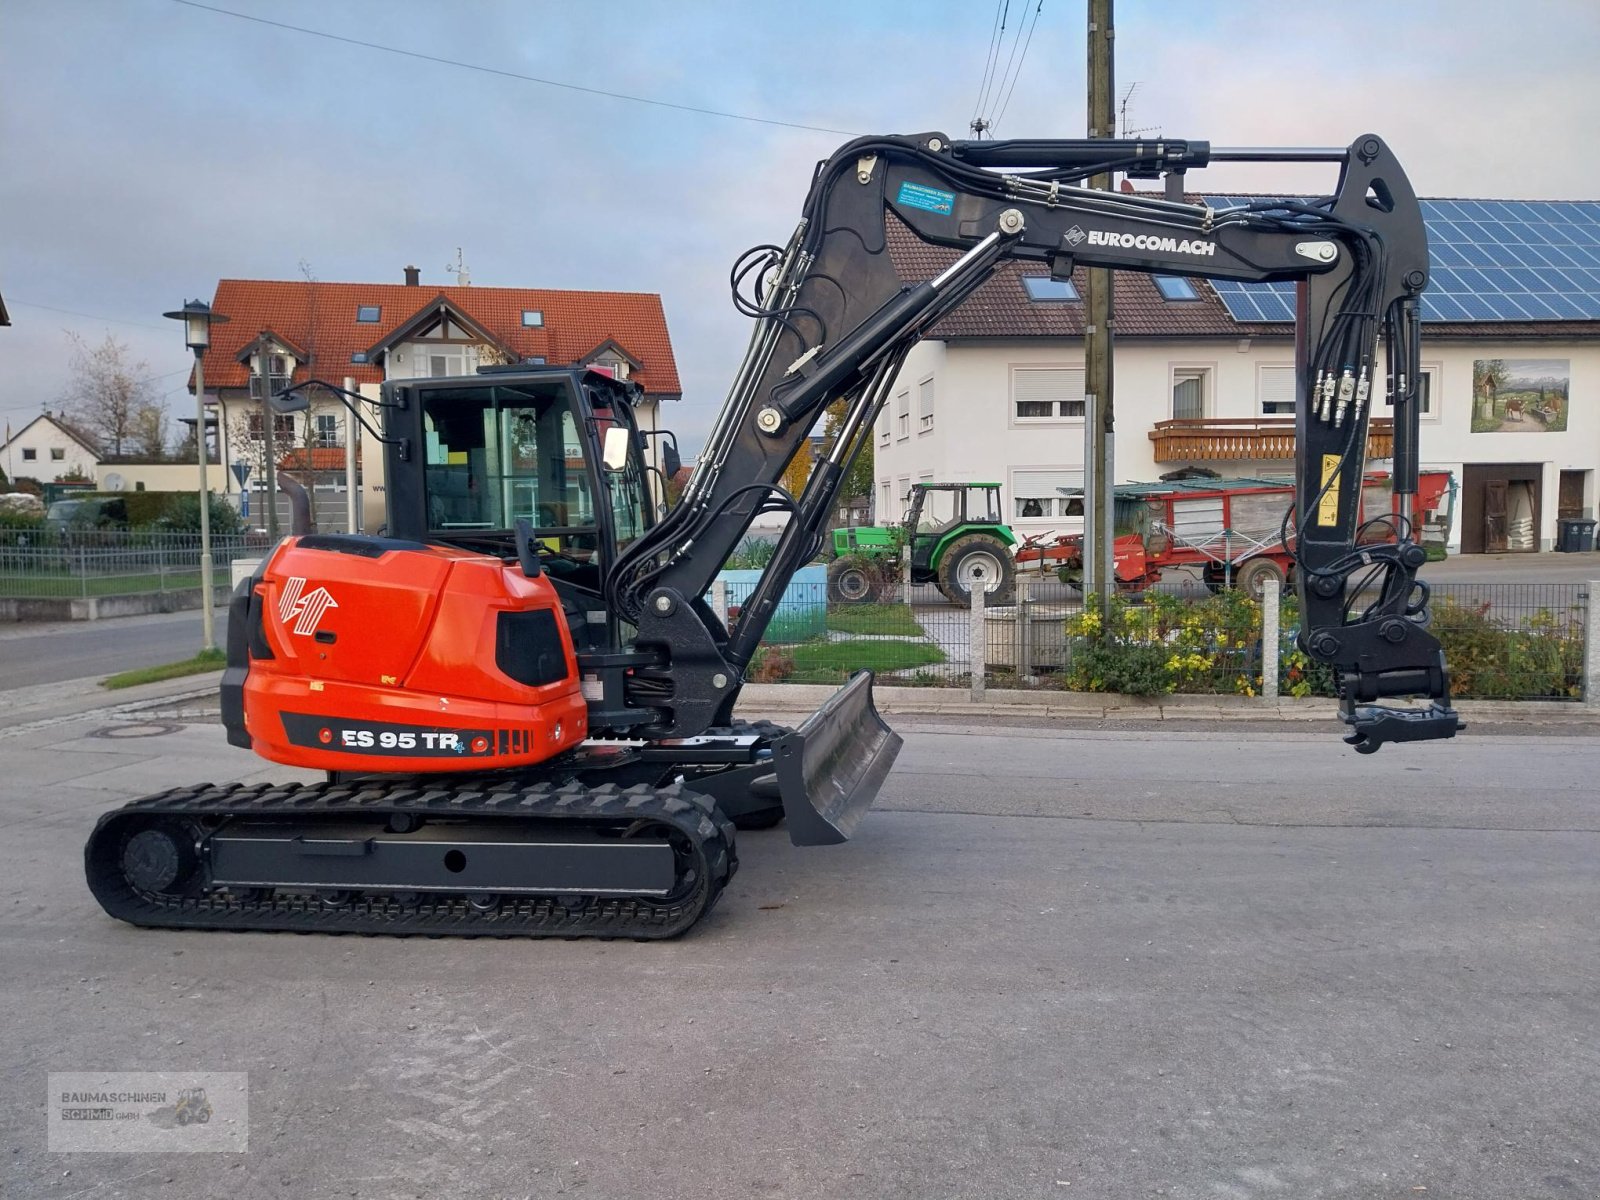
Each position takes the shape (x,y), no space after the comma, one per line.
(1247,439)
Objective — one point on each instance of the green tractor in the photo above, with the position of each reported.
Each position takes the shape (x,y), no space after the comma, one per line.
(959,541)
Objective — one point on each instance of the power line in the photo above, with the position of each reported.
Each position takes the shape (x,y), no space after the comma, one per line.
(504,74)
(72,312)
(995,33)
(1020,61)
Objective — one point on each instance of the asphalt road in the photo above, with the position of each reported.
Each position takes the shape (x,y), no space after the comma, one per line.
(1054,963)
(50,652)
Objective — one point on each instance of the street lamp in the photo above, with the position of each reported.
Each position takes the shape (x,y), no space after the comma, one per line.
(198,319)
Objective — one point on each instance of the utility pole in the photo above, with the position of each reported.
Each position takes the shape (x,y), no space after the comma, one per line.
(270,467)
(1099,450)
(352,446)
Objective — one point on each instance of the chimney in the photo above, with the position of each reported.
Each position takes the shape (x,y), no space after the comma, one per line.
(413,277)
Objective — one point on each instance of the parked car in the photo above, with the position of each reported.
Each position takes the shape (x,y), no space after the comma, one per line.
(93,512)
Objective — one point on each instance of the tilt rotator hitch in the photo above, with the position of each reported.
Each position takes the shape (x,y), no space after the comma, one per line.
(1383,652)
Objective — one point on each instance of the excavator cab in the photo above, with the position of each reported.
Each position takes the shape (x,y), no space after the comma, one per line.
(470,457)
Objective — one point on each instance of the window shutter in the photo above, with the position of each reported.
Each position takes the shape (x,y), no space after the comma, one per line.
(1048,391)
(1044,483)
(1276,390)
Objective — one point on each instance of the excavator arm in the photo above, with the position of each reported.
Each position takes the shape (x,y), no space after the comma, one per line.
(835,318)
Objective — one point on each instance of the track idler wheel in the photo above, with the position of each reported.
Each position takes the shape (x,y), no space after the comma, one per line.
(160,859)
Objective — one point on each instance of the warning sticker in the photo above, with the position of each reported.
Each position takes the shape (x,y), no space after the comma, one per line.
(1328,506)
(929,199)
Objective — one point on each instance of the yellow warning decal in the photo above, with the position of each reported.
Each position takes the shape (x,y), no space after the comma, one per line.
(1328,507)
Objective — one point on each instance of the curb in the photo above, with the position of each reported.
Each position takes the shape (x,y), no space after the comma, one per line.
(79,697)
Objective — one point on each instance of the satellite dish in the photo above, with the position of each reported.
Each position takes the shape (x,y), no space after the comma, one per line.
(114,482)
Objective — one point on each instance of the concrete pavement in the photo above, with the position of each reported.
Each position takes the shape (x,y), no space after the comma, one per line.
(1056,962)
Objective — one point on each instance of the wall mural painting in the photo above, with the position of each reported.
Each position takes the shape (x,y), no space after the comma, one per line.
(1520,395)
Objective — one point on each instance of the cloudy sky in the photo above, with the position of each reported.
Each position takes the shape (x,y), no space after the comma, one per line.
(148,147)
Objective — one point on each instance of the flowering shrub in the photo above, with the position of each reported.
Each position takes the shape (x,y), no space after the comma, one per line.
(1164,644)
(1491,657)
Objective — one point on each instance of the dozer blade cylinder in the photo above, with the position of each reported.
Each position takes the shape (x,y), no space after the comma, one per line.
(830,769)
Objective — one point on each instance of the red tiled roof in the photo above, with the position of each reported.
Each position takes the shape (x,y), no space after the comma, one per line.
(322,317)
(317,458)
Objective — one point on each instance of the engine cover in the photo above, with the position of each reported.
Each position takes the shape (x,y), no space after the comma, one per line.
(365,654)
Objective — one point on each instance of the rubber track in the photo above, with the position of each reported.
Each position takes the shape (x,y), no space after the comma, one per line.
(434,914)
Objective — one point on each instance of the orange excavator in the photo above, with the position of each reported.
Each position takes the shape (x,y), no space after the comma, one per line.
(520,696)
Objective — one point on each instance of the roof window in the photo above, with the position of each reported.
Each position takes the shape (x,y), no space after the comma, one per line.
(532,318)
(1174,287)
(360,356)
(1043,289)
(369,314)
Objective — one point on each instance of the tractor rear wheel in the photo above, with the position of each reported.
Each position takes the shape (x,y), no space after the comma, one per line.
(852,580)
(982,562)
(1251,577)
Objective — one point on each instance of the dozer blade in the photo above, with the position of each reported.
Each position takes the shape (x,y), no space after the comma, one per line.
(830,769)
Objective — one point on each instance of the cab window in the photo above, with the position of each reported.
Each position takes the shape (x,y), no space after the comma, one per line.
(494,455)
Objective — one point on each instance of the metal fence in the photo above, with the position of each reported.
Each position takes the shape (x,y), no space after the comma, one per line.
(1510,641)
(1513,641)
(39,564)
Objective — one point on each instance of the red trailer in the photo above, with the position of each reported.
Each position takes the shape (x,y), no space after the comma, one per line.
(1230,529)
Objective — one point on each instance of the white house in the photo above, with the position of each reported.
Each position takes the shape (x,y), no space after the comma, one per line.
(49,448)
(369,333)
(1205,376)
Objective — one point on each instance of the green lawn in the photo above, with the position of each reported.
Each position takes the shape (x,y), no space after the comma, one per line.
(830,662)
(28,586)
(886,620)
(206,660)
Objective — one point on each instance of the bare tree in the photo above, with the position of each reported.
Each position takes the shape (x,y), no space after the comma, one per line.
(109,396)
(295,440)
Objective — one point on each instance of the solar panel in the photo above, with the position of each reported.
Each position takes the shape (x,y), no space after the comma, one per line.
(1492,260)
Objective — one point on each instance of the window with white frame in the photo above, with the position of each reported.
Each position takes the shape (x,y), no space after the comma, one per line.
(903,492)
(885,504)
(883,426)
(1191,392)
(1047,393)
(31,455)
(59,454)
(925,406)
(325,430)
(1035,493)
(902,405)
(1427,386)
(278,365)
(1275,391)
(282,425)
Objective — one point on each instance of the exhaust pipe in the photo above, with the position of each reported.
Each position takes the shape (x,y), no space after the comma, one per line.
(831,768)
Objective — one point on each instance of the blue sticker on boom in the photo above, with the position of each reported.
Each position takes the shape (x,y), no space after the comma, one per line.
(929,199)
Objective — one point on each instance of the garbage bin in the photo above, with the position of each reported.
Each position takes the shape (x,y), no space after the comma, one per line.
(1574,535)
